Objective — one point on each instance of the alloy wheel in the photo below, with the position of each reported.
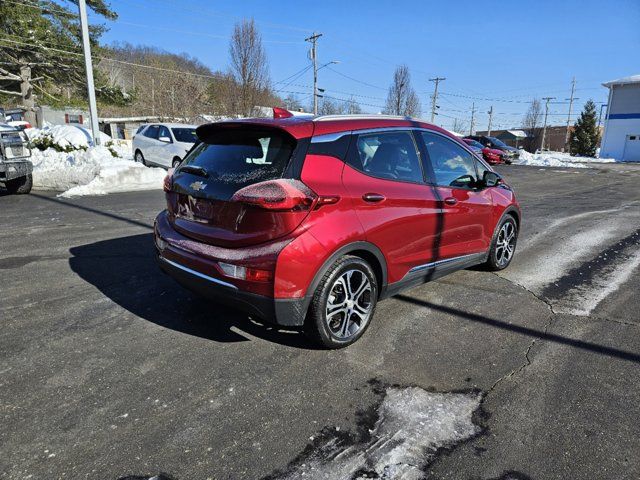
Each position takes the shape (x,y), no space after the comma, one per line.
(349,304)
(506,243)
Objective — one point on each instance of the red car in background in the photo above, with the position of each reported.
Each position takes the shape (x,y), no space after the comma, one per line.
(310,221)
(491,155)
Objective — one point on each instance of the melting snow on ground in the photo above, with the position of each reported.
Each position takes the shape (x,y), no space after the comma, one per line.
(92,172)
(557,159)
(411,426)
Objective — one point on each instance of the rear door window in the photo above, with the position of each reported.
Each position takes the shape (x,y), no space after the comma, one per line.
(388,155)
(453,166)
(231,160)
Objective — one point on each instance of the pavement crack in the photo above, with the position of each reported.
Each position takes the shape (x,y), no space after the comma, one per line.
(527,359)
(537,296)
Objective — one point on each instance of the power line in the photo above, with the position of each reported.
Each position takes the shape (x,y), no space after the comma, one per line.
(355,79)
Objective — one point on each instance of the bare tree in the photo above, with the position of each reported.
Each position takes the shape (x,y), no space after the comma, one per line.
(459,126)
(248,65)
(352,107)
(532,125)
(402,98)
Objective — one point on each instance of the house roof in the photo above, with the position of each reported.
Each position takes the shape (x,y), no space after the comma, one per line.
(623,81)
(518,133)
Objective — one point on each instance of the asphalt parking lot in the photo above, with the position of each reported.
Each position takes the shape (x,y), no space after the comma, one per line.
(110,370)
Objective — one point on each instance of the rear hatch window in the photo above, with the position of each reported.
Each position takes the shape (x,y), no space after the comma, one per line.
(226,160)
(229,160)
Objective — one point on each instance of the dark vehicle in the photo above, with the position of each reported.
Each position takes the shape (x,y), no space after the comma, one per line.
(309,222)
(15,167)
(497,144)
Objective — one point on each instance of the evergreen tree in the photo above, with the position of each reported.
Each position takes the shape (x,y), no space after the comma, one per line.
(41,48)
(585,136)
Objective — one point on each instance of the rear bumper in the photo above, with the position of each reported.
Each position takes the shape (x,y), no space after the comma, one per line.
(198,274)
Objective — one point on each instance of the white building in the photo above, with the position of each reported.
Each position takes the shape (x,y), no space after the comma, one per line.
(621,138)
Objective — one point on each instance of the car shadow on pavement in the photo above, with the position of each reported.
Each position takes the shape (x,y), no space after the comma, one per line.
(124,269)
(522,330)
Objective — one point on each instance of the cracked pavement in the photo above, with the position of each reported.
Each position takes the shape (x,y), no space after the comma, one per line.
(110,370)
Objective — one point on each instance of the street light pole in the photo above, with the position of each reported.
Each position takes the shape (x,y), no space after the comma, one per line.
(86,47)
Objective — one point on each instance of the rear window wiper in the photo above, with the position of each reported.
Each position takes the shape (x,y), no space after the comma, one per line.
(195,170)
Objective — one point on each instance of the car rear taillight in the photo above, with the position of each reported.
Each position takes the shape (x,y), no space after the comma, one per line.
(281,194)
(245,273)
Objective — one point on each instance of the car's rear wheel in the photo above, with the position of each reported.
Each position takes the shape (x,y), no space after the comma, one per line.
(20,185)
(176,162)
(138,157)
(503,246)
(343,304)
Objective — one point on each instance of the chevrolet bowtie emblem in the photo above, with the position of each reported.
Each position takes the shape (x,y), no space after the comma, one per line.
(198,186)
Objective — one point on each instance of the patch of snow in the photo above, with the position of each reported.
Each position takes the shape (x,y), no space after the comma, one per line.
(91,172)
(557,159)
(411,426)
(67,135)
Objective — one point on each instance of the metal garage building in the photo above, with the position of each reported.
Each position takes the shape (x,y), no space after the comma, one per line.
(622,125)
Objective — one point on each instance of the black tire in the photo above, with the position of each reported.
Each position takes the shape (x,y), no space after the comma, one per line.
(20,185)
(496,260)
(176,161)
(328,332)
(139,157)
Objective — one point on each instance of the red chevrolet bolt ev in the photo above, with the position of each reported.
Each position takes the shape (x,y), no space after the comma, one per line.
(310,221)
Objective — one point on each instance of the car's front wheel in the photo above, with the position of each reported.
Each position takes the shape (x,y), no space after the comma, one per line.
(176,162)
(503,246)
(343,304)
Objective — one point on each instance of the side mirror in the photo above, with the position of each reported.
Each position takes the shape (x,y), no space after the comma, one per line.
(491,179)
(164,139)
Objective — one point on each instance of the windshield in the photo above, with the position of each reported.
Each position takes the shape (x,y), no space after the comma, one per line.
(497,143)
(235,159)
(186,135)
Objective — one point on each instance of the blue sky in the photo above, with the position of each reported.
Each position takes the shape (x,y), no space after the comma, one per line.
(498,53)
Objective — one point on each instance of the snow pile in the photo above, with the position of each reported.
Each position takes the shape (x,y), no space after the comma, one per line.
(66,136)
(557,159)
(411,426)
(92,172)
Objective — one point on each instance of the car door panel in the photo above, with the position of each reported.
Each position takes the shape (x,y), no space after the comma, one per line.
(400,217)
(467,210)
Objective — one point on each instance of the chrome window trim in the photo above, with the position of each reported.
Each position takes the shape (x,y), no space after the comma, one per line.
(330,137)
(198,274)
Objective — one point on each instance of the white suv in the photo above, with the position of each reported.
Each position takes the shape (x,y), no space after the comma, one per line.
(163,144)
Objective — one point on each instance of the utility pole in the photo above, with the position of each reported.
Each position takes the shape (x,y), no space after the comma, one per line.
(546,113)
(490,112)
(434,98)
(93,109)
(473,114)
(313,39)
(573,89)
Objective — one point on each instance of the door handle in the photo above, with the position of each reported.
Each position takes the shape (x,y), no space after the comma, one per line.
(373,197)
(450,201)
